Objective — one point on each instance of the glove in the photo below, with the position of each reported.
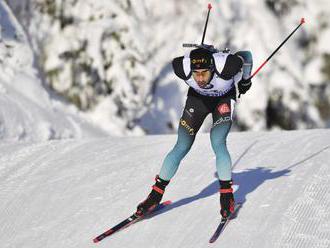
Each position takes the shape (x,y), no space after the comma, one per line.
(244,85)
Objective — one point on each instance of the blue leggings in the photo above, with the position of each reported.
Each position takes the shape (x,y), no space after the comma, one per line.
(196,110)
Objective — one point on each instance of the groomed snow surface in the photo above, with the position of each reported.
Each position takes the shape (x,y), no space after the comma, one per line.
(63,193)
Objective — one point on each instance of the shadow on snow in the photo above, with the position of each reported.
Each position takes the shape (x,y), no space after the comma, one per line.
(249,180)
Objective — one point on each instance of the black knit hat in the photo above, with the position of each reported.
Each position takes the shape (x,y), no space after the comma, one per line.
(201,58)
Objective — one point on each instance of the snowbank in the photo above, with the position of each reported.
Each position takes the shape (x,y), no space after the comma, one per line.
(27,110)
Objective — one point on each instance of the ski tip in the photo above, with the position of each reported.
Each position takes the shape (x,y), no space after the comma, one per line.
(96,240)
(302,20)
(209,6)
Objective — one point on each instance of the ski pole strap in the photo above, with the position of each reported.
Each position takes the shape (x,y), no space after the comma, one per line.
(224,191)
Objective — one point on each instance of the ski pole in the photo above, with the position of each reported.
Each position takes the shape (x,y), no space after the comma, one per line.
(207,20)
(302,21)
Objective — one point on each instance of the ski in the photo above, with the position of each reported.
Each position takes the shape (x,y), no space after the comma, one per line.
(129,221)
(223,223)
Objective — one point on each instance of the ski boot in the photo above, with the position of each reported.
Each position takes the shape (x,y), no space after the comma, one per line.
(227,201)
(153,198)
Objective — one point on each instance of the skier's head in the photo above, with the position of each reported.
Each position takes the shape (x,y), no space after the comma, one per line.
(201,58)
(202,66)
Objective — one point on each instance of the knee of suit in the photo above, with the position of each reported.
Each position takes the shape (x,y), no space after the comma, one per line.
(219,135)
(184,142)
(181,149)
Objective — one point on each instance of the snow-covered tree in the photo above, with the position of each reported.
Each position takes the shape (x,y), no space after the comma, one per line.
(112,58)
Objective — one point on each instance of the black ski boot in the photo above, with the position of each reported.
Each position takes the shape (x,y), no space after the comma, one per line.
(227,201)
(154,197)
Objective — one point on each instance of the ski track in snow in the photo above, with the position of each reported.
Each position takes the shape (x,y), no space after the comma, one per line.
(63,193)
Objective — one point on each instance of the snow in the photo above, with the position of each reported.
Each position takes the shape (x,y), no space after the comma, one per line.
(29,111)
(324,41)
(63,181)
(63,193)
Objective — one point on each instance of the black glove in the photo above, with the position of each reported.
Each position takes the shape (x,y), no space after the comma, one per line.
(244,85)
